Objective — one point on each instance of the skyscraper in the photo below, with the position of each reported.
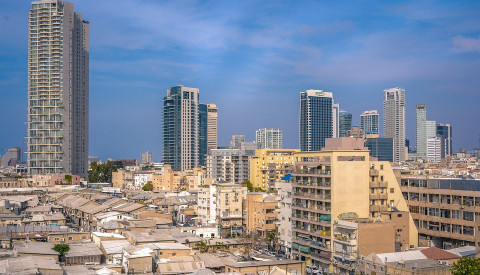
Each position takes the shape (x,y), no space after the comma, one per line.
(444,131)
(421,128)
(146,157)
(181,128)
(345,123)
(212,126)
(394,120)
(11,157)
(236,141)
(425,130)
(207,132)
(58,59)
(269,138)
(369,122)
(316,119)
(336,119)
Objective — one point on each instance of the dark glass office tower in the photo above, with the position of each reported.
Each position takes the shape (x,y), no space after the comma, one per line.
(316,119)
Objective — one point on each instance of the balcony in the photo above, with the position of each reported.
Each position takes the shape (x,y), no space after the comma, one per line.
(340,238)
(378,208)
(374,173)
(378,184)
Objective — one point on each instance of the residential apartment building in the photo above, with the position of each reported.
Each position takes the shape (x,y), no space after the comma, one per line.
(221,204)
(335,181)
(316,119)
(122,179)
(444,210)
(58,89)
(270,165)
(181,128)
(230,198)
(354,238)
(435,146)
(169,180)
(284,191)
(228,165)
(269,138)
(262,213)
(369,122)
(394,120)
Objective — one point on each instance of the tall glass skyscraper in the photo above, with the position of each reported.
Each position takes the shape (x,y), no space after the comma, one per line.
(445,132)
(58,70)
(316,119)
(181,128)
(369,122)
(394,120)
(425,129)
(345,123)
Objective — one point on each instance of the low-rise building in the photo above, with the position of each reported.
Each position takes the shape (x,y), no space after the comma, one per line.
(69,237)
(83,253)
(39,249)
(258,267)
(261,213)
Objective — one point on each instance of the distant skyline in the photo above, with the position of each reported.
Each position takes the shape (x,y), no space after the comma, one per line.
(252,59)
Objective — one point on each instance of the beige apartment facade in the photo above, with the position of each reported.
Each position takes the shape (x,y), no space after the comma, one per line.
(261,213)
(269,165)
(330,183)
(445,210)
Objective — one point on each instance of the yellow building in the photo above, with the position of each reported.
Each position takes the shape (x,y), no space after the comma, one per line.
(169,180)
(261,213)
(269,165)
(229,207)
(330,183)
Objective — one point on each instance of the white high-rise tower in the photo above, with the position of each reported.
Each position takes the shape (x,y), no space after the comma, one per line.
(394,120)
(58,61)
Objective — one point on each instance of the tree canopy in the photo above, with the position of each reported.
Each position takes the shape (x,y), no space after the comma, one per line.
(148,186)
(61,248)
(249,185)
(466,266)
(101,172)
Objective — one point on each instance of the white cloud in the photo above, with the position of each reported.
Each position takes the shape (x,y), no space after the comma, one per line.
(466,44)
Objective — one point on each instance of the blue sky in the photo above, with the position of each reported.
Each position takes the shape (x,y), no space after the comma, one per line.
(252,58)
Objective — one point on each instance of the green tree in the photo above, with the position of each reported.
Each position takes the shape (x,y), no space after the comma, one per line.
(259,189)
(68,179)
(101,172)
(61,248)
(249,185)
(148,186)
(466,266)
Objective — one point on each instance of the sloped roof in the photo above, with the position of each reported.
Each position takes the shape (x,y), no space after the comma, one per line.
(83,249)
(27,265)
(436,253)
(42,248)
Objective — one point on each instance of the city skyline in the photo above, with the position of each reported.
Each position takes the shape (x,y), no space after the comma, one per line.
(267,92)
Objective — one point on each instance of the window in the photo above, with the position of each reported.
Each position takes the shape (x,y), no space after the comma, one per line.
(392,190)
(70,238)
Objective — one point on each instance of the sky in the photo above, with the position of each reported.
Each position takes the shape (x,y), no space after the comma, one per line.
(252,59)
